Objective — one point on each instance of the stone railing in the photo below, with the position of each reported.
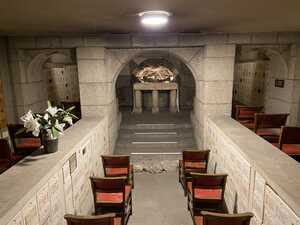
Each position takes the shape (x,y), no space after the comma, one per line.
(40,189)
(262,179)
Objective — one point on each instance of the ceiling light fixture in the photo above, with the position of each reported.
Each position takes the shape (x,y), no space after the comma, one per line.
(154,18)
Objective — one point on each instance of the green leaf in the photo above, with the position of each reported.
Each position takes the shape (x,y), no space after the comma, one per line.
(70,109)
(54,132)
(22,130)
(49,104)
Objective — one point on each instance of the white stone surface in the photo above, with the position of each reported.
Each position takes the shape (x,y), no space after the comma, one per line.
(218,69)
(249,162)
(91,71)
(90,53)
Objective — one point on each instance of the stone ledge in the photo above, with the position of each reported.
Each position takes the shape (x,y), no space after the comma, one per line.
(26,178)
(283,177)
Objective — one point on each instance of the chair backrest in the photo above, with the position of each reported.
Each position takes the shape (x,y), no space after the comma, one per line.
(14,128)
(116,165)
(108,188)
(5,151)
(106,219)
(211,218)
(289,135)
(197,160)
(269,120)
(209,189)
(246,112)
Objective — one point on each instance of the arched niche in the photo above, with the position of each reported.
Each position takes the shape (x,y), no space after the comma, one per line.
(55,76)
(125,79)
(257,72)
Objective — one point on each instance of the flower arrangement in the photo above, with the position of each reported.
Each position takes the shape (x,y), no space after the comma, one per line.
(50,124)
(156,74)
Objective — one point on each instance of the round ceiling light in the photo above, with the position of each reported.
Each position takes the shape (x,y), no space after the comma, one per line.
(154,18)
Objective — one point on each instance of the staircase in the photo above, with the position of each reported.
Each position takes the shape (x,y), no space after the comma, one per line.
(155,141)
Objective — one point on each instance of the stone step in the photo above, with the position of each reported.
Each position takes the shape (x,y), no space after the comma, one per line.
(139,145)
(155,126)
(179,133)
(160,139)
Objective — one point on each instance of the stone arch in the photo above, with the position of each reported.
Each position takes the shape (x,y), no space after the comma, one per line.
(36,64)
(185,56)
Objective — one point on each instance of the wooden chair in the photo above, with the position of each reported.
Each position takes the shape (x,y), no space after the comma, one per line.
(24,143)
(206,192)
(112,195)
(289,141)
(245,115)
(268,125)
(192,161)
(7,157)
(211,218)
(106,219)
(118,166)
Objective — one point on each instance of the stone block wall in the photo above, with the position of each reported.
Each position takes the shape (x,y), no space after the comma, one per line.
(213,86)
(255,183)
(56,184)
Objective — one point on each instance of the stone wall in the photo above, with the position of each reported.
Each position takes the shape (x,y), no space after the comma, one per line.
(40,189)
(101,58)
(261,178)
(5,76)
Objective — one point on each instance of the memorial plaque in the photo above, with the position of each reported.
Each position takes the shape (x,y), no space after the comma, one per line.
(43,203)
(73,163)
(258,196)
(30,213)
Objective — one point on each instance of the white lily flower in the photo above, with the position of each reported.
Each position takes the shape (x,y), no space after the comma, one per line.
(31,124)
(59,126)
(46,116)
(52,110)
(69,120)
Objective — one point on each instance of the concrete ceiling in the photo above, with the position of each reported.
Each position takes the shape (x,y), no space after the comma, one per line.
(22,17)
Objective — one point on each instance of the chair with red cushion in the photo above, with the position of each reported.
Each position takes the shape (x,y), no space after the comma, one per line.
(268,125)
(245,115)
(106,219)
(117,166)
(192,161)
(7,157)
(289,141)
(23,143)
(112,195)
(212,218)
(206,192)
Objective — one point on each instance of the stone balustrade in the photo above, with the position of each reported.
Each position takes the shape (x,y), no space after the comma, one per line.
(262,179)
(40,189)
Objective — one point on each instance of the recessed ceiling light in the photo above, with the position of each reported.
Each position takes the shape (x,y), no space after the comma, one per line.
(154,18)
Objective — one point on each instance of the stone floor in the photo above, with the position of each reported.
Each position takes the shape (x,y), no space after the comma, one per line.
(158,199)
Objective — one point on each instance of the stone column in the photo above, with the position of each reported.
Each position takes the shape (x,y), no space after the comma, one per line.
(173,97)
(137,101)
(155,107)
(213,87)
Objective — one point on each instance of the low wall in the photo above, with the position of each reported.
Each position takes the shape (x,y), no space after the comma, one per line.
(40,189)
(262,179)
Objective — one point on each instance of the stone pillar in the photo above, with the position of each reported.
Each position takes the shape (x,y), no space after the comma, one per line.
(173,97)
(213,87)
(155,106)
(137,108)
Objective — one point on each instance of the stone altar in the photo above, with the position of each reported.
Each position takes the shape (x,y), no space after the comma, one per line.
(155,87)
